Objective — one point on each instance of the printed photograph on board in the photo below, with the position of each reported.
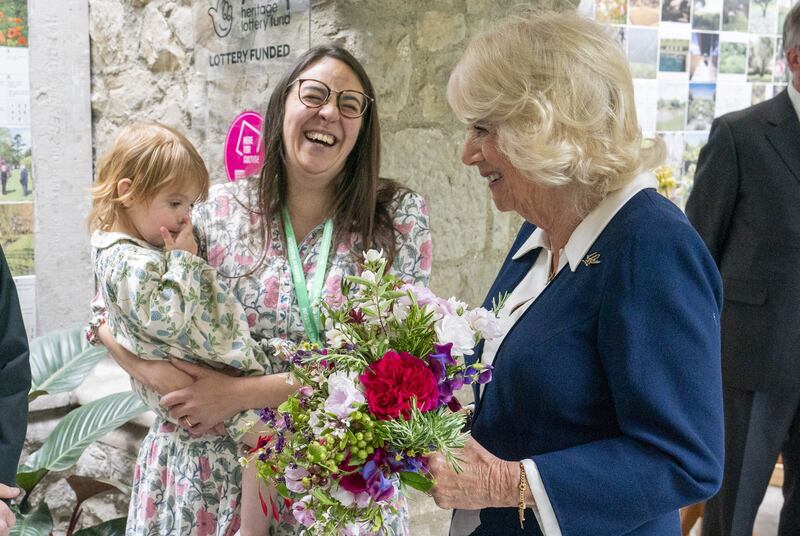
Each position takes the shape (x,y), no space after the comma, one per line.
(703,57)
(760,59)
(761,92)
(732,97)
(733,58)
(674,55)
(643,12)
(16,178)
(675,11)
(611,11)
(706,14)
(700,111)
(672,97)
(694,141)
(643,52)
(763,17)
(735,15)
(16,236)
(782,74)
(14,23)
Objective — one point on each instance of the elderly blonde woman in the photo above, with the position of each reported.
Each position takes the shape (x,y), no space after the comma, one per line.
(604,416)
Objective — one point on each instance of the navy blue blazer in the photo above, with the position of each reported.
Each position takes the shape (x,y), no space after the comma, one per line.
(611,381)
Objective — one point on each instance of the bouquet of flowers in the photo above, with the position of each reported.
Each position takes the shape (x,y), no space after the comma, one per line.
(374,402)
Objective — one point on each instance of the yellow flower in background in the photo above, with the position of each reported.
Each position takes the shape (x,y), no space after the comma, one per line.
(666,180)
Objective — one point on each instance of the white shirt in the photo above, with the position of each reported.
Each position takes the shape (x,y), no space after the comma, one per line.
(794,96)
(524,294)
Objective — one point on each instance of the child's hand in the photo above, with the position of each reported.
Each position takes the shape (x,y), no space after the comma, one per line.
(184,240)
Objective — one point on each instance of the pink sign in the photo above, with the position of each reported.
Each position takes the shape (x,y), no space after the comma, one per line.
(244,148)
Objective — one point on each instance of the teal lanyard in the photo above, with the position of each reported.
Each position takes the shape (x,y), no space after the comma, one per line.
(310,318)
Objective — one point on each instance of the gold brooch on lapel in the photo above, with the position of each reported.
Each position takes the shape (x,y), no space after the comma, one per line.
(591,258)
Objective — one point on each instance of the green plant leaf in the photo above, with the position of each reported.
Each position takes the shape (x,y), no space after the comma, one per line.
(27,480)
(112,527)
(81,427)
(37,523)
(416,481)
(60,361)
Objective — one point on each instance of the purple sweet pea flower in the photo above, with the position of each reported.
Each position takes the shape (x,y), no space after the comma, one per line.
(445,349)
(417,464)
(378,486)
(485,375)
(445,392)
(437,363)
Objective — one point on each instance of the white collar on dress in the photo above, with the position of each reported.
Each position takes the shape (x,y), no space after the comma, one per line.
(105,239)
(587,231)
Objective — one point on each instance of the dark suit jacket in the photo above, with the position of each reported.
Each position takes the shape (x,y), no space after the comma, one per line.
(15,376)
(610,380)
(746,206)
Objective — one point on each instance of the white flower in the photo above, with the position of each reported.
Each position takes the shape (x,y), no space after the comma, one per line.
(373,256)
(400,311)
(335,338)
(484,322)
(316,422)
(369,275)
(456,329)
(283,348)
(343,395)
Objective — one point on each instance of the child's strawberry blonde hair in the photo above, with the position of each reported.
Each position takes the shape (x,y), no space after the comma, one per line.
(153,156)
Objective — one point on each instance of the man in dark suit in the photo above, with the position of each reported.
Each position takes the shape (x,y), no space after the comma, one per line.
(746,206)
(15,381)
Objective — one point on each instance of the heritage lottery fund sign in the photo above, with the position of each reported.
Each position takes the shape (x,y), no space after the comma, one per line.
(252,32)
(242,47)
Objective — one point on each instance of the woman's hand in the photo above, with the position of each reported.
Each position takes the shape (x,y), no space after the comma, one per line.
(210,398)
(485,482)
(159,376)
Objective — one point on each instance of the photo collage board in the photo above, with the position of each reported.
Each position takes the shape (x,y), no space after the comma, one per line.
(694,60)
(16,174)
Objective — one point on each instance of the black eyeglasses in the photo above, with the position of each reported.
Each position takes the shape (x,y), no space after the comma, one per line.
(315,94)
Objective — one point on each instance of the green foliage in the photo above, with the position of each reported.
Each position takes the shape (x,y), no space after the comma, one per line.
(732,58)
(112,527)
(36,523)
(82,427)
(60,362)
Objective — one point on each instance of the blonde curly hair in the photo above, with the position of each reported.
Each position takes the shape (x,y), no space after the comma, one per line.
(557,89)
(153,156)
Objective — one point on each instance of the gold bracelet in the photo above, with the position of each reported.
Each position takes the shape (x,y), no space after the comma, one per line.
(523,488)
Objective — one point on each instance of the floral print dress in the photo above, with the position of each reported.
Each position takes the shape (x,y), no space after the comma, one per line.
(191,486)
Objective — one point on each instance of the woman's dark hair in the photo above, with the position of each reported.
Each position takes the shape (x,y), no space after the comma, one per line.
(362,199)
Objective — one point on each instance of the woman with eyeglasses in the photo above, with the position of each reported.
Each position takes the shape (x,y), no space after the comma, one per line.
(285,239)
